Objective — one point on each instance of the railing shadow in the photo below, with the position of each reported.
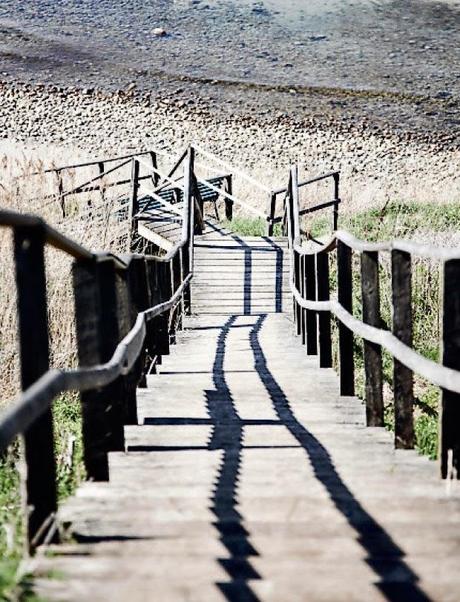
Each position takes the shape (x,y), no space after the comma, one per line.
(249,253)
(227,436)
(397,580)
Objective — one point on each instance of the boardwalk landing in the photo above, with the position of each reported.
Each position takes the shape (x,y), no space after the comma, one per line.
(249,478)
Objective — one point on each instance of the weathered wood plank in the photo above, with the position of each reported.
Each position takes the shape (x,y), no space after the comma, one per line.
(372,353)
(401,280)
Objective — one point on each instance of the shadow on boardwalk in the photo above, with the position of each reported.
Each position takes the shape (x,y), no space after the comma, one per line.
(396,580)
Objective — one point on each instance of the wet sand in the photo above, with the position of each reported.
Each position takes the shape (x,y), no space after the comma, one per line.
(362,65)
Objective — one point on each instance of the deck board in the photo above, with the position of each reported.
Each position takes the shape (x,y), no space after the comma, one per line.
(249,477)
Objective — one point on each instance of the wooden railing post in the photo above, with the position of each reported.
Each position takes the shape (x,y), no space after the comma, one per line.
(189,215)
(140,300)
(345,298)
(61,192)
(161,290)
(126,316)
(185,269)
(41,495)
(298,286)
(335,208)
(199,205)
(157,339)
(271,209)
(155,175)
(133,202)
(101,183)
(450,402)
(303,291)
(228,202)
(311,320)
(372,353)
(324,318)
(401,276)
(97,325)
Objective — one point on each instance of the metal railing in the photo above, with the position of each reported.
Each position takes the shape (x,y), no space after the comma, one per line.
(127,309)
(313,308)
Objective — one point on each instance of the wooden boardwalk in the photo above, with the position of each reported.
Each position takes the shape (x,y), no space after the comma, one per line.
(250,478)
(240,275)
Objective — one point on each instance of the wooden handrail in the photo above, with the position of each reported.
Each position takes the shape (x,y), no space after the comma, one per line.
(86,164)
(126,309)
(398,342)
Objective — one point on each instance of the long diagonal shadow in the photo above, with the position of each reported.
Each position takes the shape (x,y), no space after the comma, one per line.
(398,582)
(228,436)
(247,274)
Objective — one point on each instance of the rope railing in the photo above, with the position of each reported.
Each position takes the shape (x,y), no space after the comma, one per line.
(127,309)
(313,307)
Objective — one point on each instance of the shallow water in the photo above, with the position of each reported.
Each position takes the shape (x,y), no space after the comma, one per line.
(409,46)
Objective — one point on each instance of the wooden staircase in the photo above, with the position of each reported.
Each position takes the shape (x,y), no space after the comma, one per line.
(245,482)
(240,275)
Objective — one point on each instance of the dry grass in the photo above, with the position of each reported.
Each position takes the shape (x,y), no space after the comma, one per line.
(95,227)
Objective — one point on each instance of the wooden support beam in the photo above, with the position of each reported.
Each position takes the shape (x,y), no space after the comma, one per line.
(97,336)
(403,385)
(133,203)
(345,298)
(449,443)
(372,353)
(40,487)
(324,318)
(335,210)
(303,292)
(271,209)
(298,285)
(101,182)
(311,316)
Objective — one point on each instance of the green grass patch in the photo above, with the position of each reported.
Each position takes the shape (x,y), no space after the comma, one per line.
(248,226)
(70,471)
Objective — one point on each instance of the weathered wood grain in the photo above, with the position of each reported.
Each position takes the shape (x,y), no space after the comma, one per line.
(243,481)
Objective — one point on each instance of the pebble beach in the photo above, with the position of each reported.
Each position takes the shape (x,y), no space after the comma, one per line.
(370,88)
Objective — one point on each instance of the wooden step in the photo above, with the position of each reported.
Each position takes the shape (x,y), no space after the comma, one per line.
(249,477)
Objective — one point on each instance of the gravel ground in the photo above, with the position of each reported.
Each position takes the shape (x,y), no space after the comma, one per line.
(382,67)
(375,167)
